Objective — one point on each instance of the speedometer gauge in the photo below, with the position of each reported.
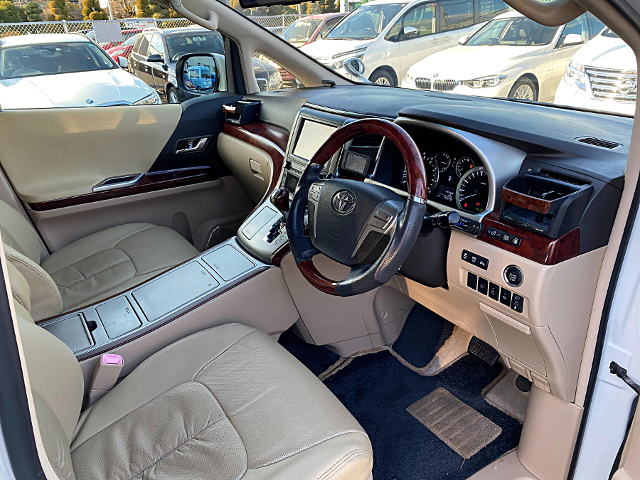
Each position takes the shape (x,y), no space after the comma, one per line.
(444,161)
(433,174)
(464,165)
(472,193)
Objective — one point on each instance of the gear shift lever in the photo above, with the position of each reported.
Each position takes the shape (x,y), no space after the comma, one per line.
(280,199)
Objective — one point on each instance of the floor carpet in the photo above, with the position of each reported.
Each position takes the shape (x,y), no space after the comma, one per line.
(377,389)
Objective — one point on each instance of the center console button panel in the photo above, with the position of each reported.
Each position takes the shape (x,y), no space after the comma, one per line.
(475,259)
(500,294)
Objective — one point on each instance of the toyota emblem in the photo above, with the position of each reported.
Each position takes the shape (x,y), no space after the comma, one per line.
(626,86)
(344,202)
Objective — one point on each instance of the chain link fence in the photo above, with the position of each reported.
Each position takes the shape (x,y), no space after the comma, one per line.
(108,27)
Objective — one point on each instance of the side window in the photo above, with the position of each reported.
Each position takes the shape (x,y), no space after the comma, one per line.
(328,25)
(595,26)
(136,46)
(456,15)
(490,8)
(156,47)
(270,75)
(143,48)
(393,35)
(579,26)
(423,19)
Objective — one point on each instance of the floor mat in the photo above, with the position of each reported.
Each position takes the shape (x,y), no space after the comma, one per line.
(317,359)
(464,429)
(423,334)
(377,389)
(507,397)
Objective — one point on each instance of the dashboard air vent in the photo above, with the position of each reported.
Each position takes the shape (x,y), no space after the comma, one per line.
(599,142)
(367,141)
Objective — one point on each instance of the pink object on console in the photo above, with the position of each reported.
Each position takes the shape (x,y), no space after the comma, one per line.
(112,359)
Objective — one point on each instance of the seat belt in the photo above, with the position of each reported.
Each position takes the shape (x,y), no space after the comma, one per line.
(105,375)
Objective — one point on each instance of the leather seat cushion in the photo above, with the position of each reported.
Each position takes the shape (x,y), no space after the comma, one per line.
(113,260)
(225,403)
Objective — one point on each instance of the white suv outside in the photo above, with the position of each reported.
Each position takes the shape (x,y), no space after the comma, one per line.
(391,35)
(510,57)
(602,76)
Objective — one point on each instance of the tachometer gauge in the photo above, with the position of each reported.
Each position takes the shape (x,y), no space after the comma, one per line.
(444,161)
(464,165)
(472,193)
(433,174)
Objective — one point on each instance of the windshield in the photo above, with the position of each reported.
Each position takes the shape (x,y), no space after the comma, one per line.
(194,42)
(301,30)
(131,40)
(366,22)
(513,31)
(51,59)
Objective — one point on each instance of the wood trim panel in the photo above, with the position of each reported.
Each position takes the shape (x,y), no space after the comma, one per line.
(148,183)
(315,278)
(527,202)
(536,247)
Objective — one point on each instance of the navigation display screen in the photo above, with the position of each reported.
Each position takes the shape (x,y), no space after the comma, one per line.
(356,163)
(312,136)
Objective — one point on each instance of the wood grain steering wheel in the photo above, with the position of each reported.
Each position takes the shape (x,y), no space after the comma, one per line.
(367,227)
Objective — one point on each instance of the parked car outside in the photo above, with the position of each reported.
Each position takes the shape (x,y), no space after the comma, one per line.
(311,28)
(126,35)
(155,54)
(123,49)
(390,35)
(64,70)
(602,75)
(510,57)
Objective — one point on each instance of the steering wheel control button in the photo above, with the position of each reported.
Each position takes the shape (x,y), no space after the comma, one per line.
(472,280)
(494,291)
(505,297)
(475,259)
(483,285)
(513,276)
(381,214)
(517,303)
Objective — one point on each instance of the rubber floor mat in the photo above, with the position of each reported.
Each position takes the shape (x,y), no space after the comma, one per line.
(465,430)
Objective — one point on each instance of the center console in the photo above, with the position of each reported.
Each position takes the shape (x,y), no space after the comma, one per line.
(100,327)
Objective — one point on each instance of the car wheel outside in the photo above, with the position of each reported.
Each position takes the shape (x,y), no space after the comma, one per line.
(524,89)
(172,95)
(382,77)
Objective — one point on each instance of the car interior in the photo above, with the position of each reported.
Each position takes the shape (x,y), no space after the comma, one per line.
(340,281)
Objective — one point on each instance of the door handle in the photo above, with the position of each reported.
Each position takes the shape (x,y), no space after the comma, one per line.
(191,145)
(118,182)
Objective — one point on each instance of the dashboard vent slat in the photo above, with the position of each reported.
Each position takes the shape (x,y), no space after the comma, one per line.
(599,142)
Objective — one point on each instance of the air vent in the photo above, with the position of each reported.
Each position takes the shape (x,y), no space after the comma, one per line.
(599,142)
(561,177)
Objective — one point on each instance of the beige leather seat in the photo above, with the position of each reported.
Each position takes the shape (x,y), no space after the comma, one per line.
(92,268)
(225,403)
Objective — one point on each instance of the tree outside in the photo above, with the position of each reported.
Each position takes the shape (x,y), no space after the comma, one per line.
(32,12)
(91,10)
(9,13)
(58,10)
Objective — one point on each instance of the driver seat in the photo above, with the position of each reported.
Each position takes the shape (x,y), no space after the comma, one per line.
(226,403)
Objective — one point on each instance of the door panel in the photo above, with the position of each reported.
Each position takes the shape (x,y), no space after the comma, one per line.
(77,148)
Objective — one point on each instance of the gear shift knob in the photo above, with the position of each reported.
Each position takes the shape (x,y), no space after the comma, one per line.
(280,199)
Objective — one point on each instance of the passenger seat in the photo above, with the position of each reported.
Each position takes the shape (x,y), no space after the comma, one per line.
(92,268)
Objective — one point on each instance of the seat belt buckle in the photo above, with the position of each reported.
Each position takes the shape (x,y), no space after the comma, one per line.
(105,375)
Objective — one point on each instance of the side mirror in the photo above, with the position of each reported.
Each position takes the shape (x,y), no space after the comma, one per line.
(155,57)
(463,39)
(572,39)
(197,74)
(409,32)
(123,62)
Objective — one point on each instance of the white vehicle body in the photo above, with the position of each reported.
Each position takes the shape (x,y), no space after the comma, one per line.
(499,70)
(602,75)
(417,30)
(28,87)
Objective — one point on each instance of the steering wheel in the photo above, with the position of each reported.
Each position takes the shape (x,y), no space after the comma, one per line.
(367,227)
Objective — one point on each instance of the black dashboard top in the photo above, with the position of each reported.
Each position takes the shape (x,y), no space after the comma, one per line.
(545,133)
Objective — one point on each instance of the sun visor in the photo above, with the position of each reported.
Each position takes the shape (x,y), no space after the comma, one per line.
(551,13)
(200,12)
